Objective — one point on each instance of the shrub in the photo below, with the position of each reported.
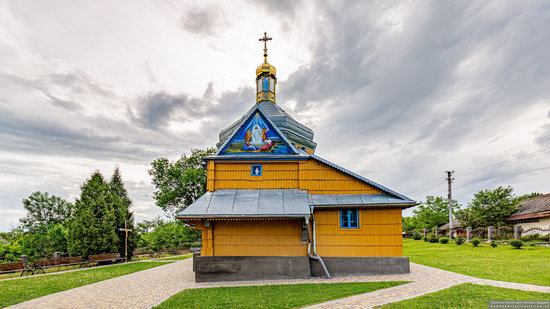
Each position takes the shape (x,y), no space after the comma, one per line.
(494,244)
(516,244)
(433,239)
(475,242)
(459,241)
(417,236)
(443,240)
(425,238)
(534,237)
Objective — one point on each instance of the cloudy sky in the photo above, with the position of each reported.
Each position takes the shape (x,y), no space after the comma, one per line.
(396,91)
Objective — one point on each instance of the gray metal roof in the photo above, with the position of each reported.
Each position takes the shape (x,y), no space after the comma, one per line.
(250,203)
(292,129)
(277,203)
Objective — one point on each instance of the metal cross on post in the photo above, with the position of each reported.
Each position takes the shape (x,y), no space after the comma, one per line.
(265,38)
(125,230)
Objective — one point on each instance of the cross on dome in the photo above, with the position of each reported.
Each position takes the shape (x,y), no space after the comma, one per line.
(265,38)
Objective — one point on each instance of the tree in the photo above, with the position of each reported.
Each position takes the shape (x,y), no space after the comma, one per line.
(122,205)
(181,182)
(434,212)
(168,235)
(527,196)
(489,208)
(44,209)
(92,230)
(44,241)
(410,224)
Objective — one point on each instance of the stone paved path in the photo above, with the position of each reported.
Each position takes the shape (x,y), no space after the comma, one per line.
(147,288)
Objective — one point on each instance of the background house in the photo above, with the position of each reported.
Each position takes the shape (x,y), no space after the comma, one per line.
(533,213)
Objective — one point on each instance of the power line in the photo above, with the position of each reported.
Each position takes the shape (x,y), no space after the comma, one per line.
(437,185)
(547,137)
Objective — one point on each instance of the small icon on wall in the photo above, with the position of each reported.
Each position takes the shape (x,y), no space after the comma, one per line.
(256,170)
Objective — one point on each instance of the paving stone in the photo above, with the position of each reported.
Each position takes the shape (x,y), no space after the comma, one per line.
(147,288)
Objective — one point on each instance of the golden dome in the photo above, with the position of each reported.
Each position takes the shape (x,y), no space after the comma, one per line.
(266,68)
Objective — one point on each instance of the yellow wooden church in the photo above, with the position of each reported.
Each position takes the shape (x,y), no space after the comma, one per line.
(273,209)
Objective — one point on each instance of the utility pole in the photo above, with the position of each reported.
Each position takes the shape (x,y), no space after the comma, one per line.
(450,179)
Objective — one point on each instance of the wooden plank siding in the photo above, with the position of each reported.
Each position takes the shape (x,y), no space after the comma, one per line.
(379,233)
(253,238)
(310,175)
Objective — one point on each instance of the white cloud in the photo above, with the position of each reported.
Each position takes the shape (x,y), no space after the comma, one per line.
(397,91)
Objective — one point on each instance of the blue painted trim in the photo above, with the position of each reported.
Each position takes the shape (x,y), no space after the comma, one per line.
(255,158)
(222,149)
(349,216)
(253,170)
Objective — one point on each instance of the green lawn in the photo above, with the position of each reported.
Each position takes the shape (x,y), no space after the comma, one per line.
(20,290)
(467,296)
(177,257)
(270,296)
(525,265)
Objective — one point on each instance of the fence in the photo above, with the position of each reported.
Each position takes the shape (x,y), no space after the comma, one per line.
(493,233)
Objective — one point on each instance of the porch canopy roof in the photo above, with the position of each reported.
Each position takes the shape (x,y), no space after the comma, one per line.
(269,203)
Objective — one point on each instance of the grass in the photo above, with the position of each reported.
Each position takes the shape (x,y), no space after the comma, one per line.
(27,288)
(177,257)
(467,296)
(526,265)
(270,296)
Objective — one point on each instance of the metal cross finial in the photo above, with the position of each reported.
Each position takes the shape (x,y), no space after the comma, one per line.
(265,38)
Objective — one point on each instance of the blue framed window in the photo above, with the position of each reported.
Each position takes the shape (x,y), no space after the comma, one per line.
(349,218)
(256,170)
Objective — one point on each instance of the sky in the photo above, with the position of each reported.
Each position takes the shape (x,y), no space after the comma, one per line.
(397,91)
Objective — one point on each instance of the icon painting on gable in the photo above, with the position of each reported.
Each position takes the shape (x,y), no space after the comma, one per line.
(257,136)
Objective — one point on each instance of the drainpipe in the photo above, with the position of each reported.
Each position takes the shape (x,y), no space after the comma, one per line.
(315,256)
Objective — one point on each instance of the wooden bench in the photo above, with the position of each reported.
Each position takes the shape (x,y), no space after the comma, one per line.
(8,268)
(164,253)
(105,258)
(141,254)
(42,265)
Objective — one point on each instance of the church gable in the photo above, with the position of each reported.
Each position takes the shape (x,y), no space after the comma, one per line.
(319,178)
(257,136)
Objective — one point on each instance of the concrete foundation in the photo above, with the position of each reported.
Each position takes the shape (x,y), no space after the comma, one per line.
(236,268)
(239,268)
(367,265)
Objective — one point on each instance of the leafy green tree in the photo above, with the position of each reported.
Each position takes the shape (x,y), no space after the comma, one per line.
(122,205)
(527,196)
(410,224)
(93,229)
(44,209)
(489,208)
(179,183)
(9,252)
(44,241)
(167,235)
(433,212)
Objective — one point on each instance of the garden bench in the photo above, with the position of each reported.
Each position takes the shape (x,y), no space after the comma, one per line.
(42,265)
(163,253)
(105,258)
(8,268)
(140,254)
